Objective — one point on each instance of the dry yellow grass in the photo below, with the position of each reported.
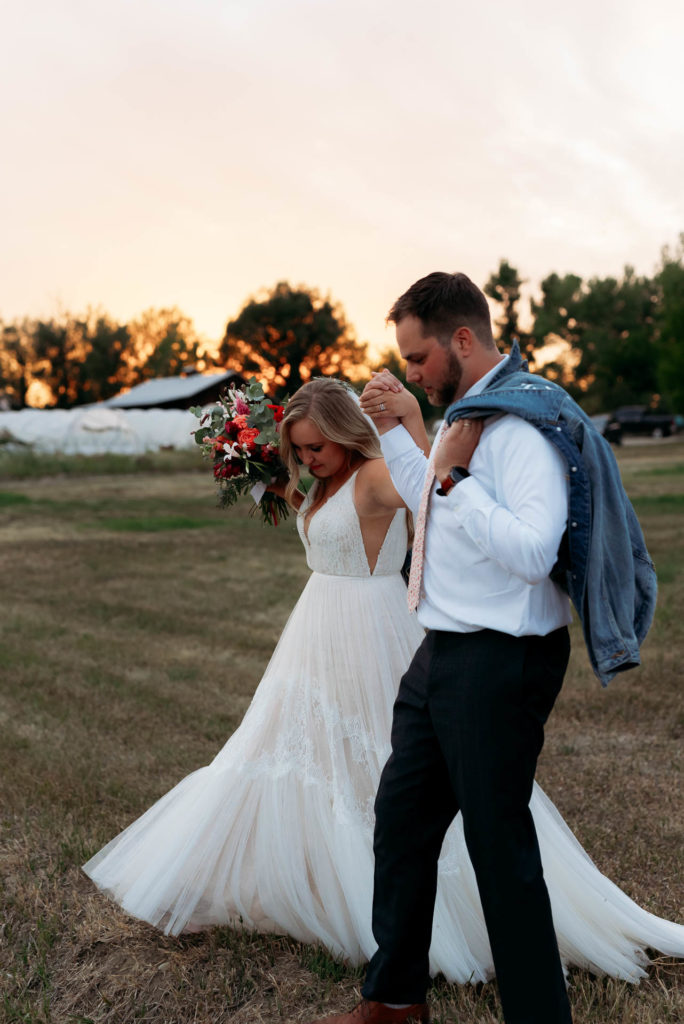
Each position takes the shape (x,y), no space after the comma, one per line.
(137,620)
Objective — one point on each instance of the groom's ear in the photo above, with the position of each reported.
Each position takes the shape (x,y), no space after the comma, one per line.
(462,341)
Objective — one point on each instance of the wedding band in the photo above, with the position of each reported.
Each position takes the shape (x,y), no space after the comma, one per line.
(382,407)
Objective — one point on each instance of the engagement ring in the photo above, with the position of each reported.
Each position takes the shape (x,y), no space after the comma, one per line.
(382,407)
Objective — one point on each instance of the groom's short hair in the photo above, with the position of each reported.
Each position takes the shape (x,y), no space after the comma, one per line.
(442,302)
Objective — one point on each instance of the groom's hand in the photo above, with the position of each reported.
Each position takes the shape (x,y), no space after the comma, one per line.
(457,446)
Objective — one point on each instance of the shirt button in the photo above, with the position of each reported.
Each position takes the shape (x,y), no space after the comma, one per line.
(558,429)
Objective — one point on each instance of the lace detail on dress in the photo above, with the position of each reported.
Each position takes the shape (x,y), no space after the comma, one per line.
(333,541)
(342,758)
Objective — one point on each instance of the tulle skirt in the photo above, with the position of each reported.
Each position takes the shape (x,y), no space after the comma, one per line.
(276,833)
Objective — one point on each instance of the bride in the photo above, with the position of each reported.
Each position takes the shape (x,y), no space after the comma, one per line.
(276,834)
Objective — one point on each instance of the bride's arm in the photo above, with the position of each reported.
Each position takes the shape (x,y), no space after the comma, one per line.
(388,403)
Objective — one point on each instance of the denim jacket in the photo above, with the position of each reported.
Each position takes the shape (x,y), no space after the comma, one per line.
(603,562)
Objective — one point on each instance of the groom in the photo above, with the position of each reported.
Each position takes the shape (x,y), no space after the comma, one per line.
(490,510)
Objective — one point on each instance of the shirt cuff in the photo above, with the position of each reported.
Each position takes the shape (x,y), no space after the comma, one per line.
(396,442)
(468,496)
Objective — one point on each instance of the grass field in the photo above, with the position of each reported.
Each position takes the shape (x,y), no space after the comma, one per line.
(137,619)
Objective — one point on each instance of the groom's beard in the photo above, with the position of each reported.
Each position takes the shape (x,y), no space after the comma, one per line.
(446,393)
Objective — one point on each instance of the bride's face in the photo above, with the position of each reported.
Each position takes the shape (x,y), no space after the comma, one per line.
(323,458)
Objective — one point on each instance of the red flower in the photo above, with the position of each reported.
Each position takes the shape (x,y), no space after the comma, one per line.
(247,438)
(278,411)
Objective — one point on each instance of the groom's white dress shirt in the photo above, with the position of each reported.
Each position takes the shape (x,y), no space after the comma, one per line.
(493,539)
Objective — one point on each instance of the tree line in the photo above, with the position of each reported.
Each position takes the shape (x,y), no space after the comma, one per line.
(623,336)
(619,341)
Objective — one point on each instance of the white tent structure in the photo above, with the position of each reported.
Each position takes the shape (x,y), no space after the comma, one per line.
(95,429)
(143,419)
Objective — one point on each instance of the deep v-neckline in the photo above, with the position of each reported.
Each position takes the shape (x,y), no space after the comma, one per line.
(308,519)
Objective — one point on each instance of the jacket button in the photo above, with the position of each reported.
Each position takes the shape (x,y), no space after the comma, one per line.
(574,469)
(574,524)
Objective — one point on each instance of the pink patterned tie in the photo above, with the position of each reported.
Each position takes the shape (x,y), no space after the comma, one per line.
(416,573)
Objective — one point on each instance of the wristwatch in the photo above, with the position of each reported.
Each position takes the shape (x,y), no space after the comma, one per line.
(456,474)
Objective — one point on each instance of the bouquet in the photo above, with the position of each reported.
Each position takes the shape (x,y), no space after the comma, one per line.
(241,439)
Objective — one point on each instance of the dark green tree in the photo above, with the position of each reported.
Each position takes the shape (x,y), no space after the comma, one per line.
(105,367)
(609,325)
(78,359)
(504,287)
(165,343)
(670,327)
(57,353)
(289,335)
(16,362)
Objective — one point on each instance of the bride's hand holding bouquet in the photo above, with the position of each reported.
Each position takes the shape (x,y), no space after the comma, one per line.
(240,437)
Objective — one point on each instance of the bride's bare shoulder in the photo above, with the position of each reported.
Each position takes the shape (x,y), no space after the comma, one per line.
(371,471)
(374,492)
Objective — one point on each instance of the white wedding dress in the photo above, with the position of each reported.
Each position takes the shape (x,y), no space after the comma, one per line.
(276,833)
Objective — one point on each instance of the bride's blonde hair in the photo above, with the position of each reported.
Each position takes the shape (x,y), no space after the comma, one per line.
(334,409)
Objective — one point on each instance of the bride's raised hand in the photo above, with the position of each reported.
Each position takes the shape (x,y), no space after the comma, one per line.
(385,397)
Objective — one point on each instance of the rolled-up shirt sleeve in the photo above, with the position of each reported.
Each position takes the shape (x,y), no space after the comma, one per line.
(407,465)
(520,526)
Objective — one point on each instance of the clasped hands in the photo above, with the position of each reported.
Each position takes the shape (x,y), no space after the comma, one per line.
(388,403)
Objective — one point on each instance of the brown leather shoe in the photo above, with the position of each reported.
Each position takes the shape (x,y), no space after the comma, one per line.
(368,1012)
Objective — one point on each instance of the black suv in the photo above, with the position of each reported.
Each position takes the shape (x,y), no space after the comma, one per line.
(639,419)
(609,427)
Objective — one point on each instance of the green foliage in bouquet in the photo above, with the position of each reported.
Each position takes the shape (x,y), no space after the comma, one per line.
(240,436)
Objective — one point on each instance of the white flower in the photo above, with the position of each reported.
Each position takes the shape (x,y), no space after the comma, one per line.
(231,451)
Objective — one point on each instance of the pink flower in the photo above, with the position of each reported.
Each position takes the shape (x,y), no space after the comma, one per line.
(241,407)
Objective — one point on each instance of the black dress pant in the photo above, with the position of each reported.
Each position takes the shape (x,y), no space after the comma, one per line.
(467,731)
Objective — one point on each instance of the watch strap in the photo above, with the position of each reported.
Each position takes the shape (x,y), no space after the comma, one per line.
(456,474)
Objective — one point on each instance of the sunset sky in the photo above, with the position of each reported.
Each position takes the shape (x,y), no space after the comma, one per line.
(192,153)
